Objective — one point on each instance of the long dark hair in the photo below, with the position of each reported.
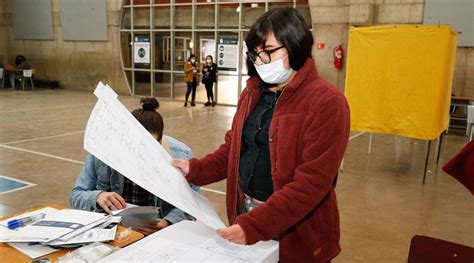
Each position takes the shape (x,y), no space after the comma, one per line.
(289,28)
(149,117)
(209,56)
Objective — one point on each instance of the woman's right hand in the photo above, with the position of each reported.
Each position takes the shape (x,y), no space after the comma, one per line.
(183,165)
(110,201)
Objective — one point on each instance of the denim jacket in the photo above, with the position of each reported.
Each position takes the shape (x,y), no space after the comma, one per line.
(97,177)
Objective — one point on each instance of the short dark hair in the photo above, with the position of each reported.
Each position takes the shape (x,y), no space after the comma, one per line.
(149,117)
(289,28)
(191,56)
(19,59)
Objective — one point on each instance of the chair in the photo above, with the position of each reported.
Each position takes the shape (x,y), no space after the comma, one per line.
(470,121)
(425,249)
(27,76)
(2,78)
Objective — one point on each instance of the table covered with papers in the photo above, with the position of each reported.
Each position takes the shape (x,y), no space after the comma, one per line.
(25,251)
(185,241)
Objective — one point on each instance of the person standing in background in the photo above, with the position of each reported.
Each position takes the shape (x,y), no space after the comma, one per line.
(191,69)
(209,71)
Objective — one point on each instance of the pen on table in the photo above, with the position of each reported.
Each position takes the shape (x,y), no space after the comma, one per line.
(19,222)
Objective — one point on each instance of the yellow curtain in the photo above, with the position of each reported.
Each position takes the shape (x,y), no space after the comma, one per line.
(399,79)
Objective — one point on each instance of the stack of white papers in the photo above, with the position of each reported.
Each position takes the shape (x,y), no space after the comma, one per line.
(33,251)
(46,210)
(58,227)
(97,234)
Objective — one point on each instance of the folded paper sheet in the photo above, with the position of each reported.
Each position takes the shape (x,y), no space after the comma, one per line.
(115,137)
(399,79)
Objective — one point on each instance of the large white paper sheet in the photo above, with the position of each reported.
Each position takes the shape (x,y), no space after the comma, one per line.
(189,241)
(115,137)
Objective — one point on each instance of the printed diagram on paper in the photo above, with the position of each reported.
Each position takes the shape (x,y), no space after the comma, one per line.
(214,250)
(189,241)
(115,137)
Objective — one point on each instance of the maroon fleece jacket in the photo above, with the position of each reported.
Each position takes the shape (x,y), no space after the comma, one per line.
(308,136)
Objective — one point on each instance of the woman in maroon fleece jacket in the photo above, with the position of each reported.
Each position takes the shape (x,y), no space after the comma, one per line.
(282,153)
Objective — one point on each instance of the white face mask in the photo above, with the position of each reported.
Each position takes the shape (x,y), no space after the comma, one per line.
(273,73)
(193,60)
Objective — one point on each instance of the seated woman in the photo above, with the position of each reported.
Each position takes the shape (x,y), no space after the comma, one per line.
(101,188)
(20,63)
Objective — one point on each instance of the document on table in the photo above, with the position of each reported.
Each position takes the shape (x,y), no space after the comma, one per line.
(6,234)
(53,226)
(33,251)
(47,210)
(189,241)
(93,235)
(115,137)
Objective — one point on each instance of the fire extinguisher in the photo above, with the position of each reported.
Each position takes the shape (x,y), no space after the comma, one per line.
(338,53)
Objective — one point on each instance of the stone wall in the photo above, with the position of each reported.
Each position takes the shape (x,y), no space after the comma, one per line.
(77,65)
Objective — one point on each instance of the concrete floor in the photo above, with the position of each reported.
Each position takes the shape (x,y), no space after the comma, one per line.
(381,199)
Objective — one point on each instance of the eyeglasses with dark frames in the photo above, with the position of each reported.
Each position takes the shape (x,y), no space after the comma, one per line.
(264,55)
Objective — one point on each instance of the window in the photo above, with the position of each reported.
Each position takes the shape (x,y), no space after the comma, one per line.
(158,36)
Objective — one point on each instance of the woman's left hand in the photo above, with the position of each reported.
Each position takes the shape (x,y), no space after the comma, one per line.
(234,233)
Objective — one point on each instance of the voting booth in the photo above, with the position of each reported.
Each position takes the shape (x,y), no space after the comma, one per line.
(399,79)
